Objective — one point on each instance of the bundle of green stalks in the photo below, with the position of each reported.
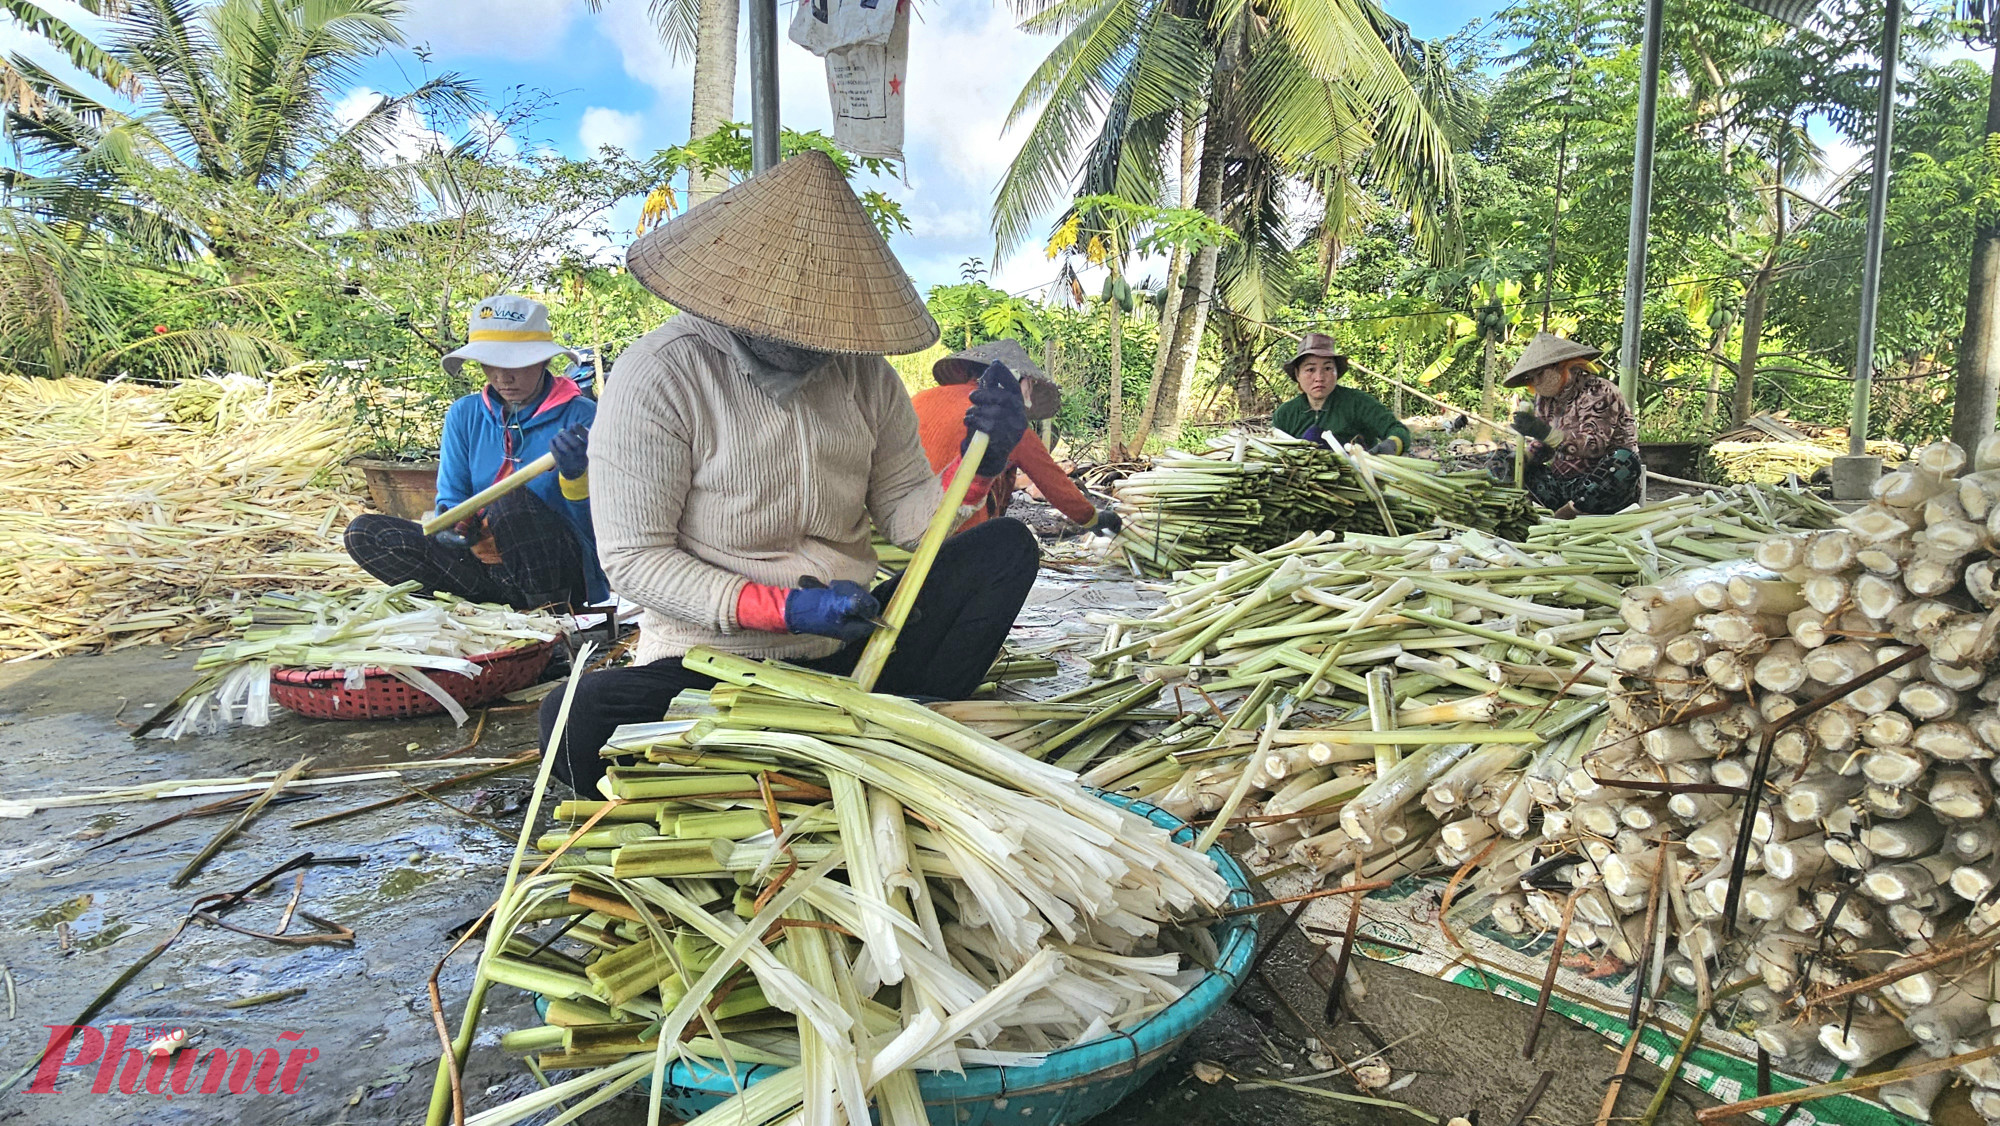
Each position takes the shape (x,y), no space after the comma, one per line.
(849,886)
(1255,492)
(393,629)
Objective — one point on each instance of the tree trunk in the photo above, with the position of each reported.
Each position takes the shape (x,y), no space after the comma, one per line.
(1486,366)
(1163,407)
(1190,146)
(1972,411)
(1243,364)
(1715,365)
(1114,425)
(714,84)
(1753,337)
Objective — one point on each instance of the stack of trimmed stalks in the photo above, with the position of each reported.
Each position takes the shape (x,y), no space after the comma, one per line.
(845,885)
(1393,702)
(134,513)
(1843,679)
(393,629)
(1256,492)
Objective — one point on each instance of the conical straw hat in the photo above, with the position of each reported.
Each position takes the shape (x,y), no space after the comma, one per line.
(1545,349)
(788,254)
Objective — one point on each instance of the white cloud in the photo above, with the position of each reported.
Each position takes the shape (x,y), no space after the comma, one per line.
(407,137)
(632,32)
(601,127)
(506,29)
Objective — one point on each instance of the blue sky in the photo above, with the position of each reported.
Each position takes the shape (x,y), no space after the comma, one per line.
(612,82)
(604,78)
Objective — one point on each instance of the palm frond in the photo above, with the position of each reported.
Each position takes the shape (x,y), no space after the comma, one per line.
(77,47)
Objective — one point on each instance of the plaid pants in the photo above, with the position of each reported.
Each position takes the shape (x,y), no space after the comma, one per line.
(1604,486)
(541,562)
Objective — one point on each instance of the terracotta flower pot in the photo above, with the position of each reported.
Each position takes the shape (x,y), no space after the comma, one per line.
(402,488)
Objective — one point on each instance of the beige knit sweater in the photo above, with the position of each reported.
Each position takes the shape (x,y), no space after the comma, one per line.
(700,482)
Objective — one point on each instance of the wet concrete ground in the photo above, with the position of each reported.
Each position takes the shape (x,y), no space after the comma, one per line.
(72,921)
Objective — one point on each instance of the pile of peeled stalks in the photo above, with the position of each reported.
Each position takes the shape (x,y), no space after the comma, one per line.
(1799,753)
(1255,492)
(1392,703)
(849,887)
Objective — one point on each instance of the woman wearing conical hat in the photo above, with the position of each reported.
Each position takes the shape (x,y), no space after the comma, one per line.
(941,428)
(743,449)
(1583,443)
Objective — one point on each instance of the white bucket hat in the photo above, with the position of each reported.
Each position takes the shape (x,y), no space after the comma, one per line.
(507,331)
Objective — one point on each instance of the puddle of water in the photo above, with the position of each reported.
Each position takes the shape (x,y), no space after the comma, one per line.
(110,933)
(67,912)
(403,881)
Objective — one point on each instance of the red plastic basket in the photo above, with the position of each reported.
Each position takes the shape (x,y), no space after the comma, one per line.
(322,693)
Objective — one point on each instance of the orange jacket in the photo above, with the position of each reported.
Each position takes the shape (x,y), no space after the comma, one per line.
(941,428)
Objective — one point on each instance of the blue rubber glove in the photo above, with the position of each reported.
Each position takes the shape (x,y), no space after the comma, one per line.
(572,450)
(1310,433)
(841,610)
(998,412)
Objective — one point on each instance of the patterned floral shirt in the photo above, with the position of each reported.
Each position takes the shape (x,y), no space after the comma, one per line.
(1594,420)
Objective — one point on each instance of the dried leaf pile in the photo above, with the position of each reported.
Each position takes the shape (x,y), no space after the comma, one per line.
(1768,462)
(1255,492)
(137,513)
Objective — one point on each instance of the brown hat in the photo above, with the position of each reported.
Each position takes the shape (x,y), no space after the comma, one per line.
(1545,349)
(789,255)
(1321,345)
(968,365)
(1044,397)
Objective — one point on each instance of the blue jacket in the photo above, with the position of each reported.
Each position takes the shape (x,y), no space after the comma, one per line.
(480,447)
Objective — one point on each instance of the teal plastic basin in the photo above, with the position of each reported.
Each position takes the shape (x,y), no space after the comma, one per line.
(1069,1086)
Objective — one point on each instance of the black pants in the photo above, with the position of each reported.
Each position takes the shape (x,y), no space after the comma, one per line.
(541,562)
(968,603)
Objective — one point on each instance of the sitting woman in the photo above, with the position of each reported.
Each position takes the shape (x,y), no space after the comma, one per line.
(533,547)
(941,428)
(748,444)
(1583,443)
(1325,410)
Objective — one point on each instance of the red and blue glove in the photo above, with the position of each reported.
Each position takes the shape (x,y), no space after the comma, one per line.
(845,610)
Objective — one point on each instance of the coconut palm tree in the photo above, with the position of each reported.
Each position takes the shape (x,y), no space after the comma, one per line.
(230,137)
(1978,392)
(1284,90)
(707,30)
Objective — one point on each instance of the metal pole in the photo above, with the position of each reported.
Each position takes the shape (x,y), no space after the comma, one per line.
(1871,258)
(763,84)
(1642,202)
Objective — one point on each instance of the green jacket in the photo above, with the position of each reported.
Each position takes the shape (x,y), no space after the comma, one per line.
(1349,415)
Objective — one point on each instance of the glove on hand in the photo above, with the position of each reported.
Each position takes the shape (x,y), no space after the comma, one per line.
(572,450)
(999,412)
(461,535)
(1387,446)
(841,610)
(1106,522)
(1526,423)
(1310,433)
